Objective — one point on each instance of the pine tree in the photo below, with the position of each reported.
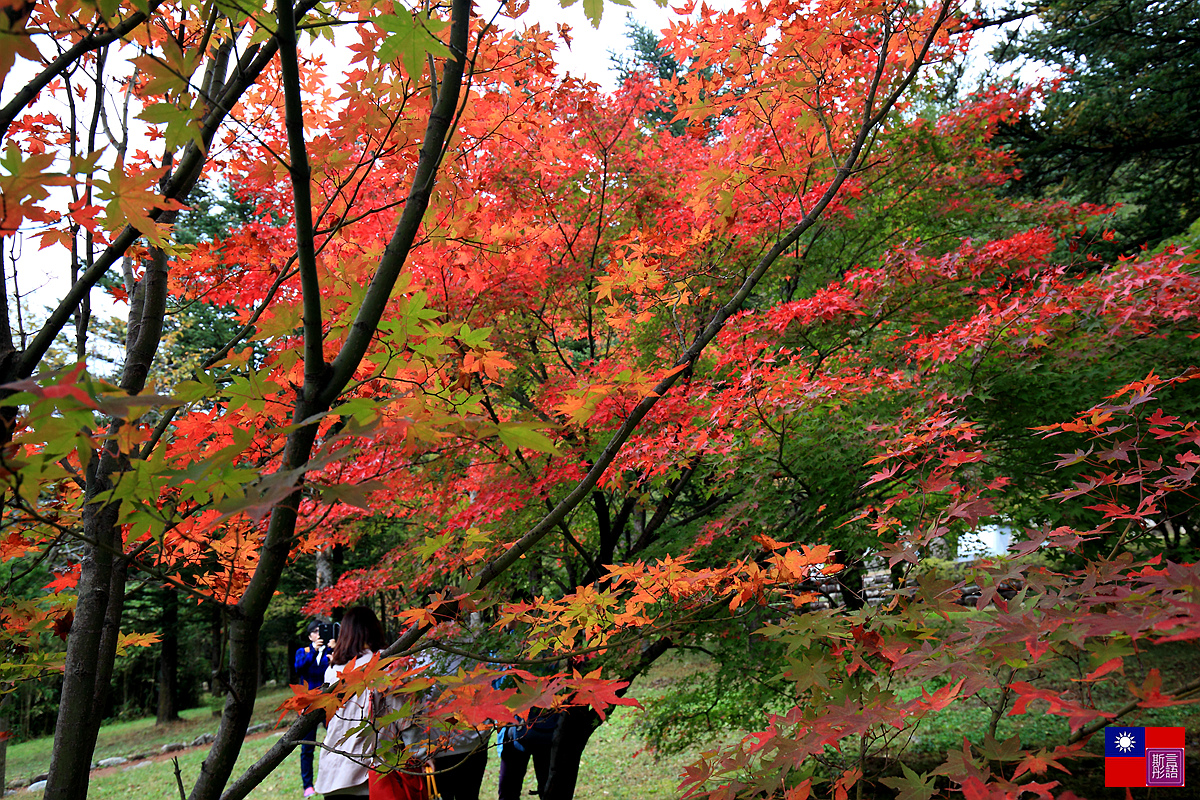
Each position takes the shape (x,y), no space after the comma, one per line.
(1122,126)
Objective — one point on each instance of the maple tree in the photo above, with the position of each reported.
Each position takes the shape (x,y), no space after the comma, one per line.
(555,353)
(849,671)
(946,315)
(204,489)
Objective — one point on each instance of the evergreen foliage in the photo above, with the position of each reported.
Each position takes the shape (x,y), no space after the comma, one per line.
(1122,126)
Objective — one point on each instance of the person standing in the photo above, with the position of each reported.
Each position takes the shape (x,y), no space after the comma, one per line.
(459,755)
(311,662)
(531,738)
(349,747)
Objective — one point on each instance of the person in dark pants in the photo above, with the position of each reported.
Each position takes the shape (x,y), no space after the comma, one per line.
(459,776)
(311,662)
(518,743)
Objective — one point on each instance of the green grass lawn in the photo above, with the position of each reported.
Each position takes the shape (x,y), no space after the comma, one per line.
(156,779)
(27,759)
(613,766)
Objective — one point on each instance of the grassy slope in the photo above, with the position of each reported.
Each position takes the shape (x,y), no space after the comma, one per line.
(616,768)
(31,758)
(612,768)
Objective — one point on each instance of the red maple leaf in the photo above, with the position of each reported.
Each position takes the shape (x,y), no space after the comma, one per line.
(62,625)
(599,693)
(64,580)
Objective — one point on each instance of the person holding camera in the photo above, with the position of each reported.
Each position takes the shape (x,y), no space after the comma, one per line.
(311,662)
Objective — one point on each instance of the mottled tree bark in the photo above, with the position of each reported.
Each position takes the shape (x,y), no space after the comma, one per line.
(168,660)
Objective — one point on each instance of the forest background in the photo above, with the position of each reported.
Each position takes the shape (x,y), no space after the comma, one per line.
(622,373)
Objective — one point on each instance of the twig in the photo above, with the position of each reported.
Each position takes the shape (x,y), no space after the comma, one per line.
(179,778)
(1089,729)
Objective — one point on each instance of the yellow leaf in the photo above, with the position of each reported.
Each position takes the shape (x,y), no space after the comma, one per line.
(127,640)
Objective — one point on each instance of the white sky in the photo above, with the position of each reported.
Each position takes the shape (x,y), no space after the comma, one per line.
(590,48)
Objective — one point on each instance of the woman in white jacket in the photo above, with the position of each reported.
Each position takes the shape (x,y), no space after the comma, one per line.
(343,767)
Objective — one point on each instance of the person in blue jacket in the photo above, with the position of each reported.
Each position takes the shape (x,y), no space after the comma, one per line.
(311,663)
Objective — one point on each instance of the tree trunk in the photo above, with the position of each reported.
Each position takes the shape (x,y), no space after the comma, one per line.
(571,736)
(325,577)
(26,708)
(168,660)
(5,704)
(90,656)
(324,568)
(92,642)
(262,662)
(216,643)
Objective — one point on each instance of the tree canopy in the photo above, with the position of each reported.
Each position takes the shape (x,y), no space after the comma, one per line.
(614,382)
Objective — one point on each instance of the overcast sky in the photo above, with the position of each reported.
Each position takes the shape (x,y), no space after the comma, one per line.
(588,55)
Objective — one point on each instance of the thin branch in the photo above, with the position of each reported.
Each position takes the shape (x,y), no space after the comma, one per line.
(1132,705)
(186,174)
(179,778)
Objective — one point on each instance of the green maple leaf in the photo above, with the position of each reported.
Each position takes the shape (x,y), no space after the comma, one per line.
(170,70)
(912,786)
(179,117)
(594,9)
(1007,750)
(130,199)
(412,37)
(516,435)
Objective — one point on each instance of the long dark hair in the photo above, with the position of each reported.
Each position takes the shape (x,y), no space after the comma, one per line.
(359,633)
